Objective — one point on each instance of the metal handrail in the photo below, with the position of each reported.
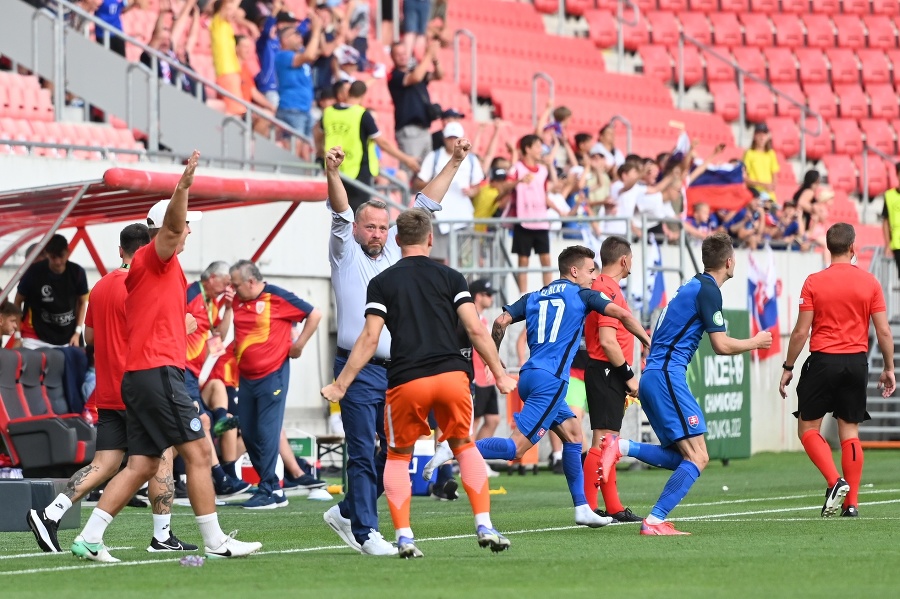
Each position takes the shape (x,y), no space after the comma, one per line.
(620,22)
(473,63)
(178,66)
(741,74)
(629,128)
(865,174)
(104,151)
(551,87)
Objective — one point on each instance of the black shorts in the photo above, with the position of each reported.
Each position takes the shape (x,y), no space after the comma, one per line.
(160,412)
(526,240)
(112,430)
(605,396)
(485,401)
(833,383)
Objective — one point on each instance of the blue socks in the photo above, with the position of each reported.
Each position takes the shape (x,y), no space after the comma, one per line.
(574,474)
(497,448)
(676,488)
(655,455)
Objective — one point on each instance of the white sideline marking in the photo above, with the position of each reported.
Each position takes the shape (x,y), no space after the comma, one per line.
(773,511)
(46,553)
(782,498)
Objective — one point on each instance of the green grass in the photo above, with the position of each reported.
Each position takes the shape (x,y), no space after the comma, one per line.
(761,538)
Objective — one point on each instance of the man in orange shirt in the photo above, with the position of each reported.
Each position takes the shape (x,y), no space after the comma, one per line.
(837,303)
(608,376)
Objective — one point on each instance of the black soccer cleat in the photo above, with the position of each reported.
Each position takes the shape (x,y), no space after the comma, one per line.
(173,543)
(850,512)
(834,498)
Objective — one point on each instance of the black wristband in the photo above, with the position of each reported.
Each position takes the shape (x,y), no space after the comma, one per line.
(784,366)
(624,371)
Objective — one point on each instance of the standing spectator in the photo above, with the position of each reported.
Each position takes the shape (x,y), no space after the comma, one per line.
(263,318)
(531,202)
(805,197)
(495,196)
(53,296)
(224,52)
(450,115)
(249,68)
(837,305)
(358,24)
(890,222)
(295,82)
(746,226)
(761,162)
(267,47)
(416,14)
(332,37)
(165,41)
(413,110)
(352,127)
(484,392)
(625,193)
(110,12)
(606,147)
(437,23)
(457,203)
(792,231)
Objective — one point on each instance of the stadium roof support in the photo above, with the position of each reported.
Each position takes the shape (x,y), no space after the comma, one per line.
(126,195)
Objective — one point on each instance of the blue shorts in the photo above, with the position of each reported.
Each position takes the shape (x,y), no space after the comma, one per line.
(671,409)
(545,407)
(415,16)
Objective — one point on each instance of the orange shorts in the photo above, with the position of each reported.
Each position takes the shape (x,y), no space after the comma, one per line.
(407,407)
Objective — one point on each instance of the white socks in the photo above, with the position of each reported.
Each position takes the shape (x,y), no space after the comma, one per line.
(651,519)
(404,532)
(161,530)
(96,526)
(557,456)
(58,508)
(483,519)
(213,536)
(624,446)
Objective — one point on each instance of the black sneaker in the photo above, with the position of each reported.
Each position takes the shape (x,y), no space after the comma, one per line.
(173,543)
(602,513)
(44,530)
(834,498)
(850,512)
(228,487)
(447,492)
(138,501)
(625,515)
(558,467)
(180,489)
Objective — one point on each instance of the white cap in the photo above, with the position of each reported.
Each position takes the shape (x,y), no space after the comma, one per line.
(158,213)
(454,129)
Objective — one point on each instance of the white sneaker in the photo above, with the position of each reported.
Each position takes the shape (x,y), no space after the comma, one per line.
(341,526)
(442,455)
(491,472)
(585,517)
(376,545)
(96,552)
(231,547)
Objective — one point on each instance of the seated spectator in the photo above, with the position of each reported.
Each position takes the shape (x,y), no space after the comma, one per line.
(701,223)
(746,226)
(165,41)
(110,12)
(805,196)
(761,163)
(53,296)
(295,83)
(249,68)
(10,319)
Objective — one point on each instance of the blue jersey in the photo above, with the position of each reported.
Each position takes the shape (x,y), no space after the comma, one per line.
(696,307)
(554,319)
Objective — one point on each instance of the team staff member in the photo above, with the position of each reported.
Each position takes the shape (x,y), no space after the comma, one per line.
(360,247)
(159,412)
(837,303)
(105,331)
(608,376)
(10,317)
(263,318)
(420,301)
(890,222)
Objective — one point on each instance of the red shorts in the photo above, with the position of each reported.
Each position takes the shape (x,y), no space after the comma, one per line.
(407,407)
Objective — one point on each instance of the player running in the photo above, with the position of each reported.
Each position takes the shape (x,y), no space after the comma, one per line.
(673,412)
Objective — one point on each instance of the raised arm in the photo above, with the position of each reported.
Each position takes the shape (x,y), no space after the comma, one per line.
(175,221)
(181,22)
(440,183)
(337,195)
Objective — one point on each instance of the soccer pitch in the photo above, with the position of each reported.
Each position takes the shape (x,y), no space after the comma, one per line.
(763,537)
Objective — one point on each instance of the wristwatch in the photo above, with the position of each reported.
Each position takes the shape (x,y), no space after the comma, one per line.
(786,367)
(79,329)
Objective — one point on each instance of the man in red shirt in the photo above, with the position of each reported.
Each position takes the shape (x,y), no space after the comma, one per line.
(264,316)
(608,376)
(837,303)
(105,330)
(159,412)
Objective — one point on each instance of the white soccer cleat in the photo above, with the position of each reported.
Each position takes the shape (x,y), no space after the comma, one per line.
(442,455)
(341,526)
(231,547)
(585,517)
(376,545)
(490,471)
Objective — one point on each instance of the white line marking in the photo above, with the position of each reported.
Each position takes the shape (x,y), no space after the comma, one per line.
(782,498)
(773,511)
(46,553)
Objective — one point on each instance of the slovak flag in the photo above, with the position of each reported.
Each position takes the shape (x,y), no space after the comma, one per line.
(721,186)
(656,284)
(763,288)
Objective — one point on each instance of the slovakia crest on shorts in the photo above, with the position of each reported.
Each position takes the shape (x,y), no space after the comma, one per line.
(693,421)
(541,433)
(260,306)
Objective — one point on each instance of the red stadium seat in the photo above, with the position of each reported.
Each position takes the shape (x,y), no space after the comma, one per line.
(636,36)
(819,31)
(855,7)
(577,8)
(875,66)
(797,7)
(850,31)
(847,136)
(885,7)
(726,100)
(757,30)
(704,6)
(841,172)
(894,59)
(759,102)
(878,179)
(736,6)
(879,135)
(787,108)
(826,7)
(726,30)
(821,99)
(785,136)
(663,28)
(764,6)
(813,68)
(657,63)
(718,70)
(676,6)
(883,101)
(782,66)
(788,30)
(853,101)
(844,68)
(602,26)
(548,7)
(693,66)
(817,145)
(881,32)
(697,26)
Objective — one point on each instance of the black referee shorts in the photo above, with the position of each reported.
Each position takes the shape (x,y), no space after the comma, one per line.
(160,413)
(485,401)
(112,430)
(605,396)
(833,383)
(525,240)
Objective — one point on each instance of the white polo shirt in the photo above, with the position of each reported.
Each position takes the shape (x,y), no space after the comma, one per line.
(351,271)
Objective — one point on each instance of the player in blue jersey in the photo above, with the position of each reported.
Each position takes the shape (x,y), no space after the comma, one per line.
(554,321)
(673,412)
